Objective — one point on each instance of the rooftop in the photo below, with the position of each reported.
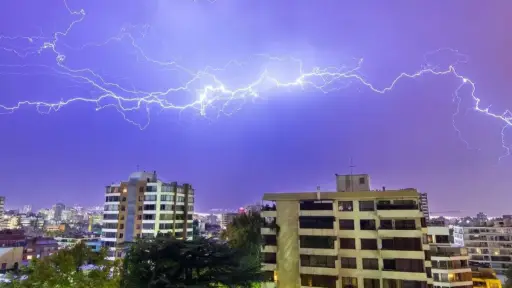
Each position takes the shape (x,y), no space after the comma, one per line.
(403,193)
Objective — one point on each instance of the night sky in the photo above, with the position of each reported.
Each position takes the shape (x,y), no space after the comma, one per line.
(288,139)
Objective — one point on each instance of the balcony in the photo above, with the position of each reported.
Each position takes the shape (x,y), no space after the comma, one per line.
(392,206)
(390,211)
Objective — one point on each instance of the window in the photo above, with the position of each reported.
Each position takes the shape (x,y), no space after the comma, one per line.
(428,270)
(367,224)
(347,243)
(165,197)
(361,180)
(149,207)
(316,242)
(402,244)
(316,205)
(345,206)
(151,188)
(167,216)
(108,234)
(410,265)
(121,235)
(149,197)
(389,264)
(316,222)
(269,258)
(348,262)
(371,283)
(370,264)
(149,217)
(318,280)
(423,222)
(271,240)
(109,226)
(405,224)
(318,261)
(110,216)
(165,226)
(346,224)
(166,207)
(366,206)
(386,224)
(148,226)
(121,226)
(368,244)
(139,217)
(348,281)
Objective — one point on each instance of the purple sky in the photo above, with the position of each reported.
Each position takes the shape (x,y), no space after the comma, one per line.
(288,141)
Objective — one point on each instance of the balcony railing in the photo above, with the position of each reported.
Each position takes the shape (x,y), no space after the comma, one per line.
(268,208)
(397,206)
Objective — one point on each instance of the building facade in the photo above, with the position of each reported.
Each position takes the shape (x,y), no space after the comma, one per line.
(488,246)
(365,239)
(450,263)
(424,206)
(227,218)
(144,206)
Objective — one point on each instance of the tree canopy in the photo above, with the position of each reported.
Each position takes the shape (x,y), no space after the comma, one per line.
(64,269)
(168,262)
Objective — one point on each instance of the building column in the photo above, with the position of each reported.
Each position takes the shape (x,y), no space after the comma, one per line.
(288,244)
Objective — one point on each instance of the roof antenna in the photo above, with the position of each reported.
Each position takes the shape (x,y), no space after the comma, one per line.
(318,193)
(352,166)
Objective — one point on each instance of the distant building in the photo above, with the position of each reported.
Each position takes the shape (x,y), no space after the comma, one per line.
(351,238)
(57,211)
(12,238)
(26,209)
(144,206)
(3,222)
(10,258)
(488,245)
(424,205)
(227,218)
(40,247)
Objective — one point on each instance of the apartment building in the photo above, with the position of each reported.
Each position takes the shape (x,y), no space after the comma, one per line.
(450,263)
(488,246)
(367,239)
(144,206)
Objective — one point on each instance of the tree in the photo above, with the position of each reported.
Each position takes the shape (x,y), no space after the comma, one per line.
(171,263)
(64,269)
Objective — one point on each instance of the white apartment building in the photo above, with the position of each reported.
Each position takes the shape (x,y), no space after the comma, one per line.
(450,263)
(489,247)
(144,206)
(424,205)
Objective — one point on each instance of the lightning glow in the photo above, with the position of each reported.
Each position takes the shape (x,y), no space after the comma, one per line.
(216,94)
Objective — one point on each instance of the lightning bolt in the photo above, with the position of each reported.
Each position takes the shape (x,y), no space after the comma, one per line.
(209,91)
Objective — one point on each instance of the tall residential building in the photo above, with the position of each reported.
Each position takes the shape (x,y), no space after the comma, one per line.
(57,211)
(144,206)
(227,218)
(346,239)
(424,205)
(4,223)
(488,246)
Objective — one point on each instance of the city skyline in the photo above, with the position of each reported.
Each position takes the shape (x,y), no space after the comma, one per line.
(285,141)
